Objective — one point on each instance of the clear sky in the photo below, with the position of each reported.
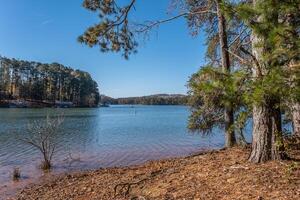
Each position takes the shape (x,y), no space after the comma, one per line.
(47,31)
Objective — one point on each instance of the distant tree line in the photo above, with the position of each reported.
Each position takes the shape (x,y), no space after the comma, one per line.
(46,83)
(148,100)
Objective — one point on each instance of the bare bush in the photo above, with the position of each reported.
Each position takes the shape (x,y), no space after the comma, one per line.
(16,174)
(42,136)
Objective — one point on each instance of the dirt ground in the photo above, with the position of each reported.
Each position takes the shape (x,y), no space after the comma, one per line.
(223,174)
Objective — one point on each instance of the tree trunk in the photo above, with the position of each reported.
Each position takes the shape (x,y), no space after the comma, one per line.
(296,118)
(261,134)
(278,150)
(267,142)
(262,123)
(291,20)
(230,139)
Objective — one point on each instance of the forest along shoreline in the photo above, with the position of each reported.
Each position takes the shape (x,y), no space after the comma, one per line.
(33,84)
(219,174)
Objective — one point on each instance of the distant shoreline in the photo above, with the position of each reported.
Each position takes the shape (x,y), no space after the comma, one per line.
(21,103)
(112,105)
(156,99)
(105,101)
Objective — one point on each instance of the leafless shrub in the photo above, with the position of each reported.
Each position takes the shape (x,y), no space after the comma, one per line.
(42,136)
(16,174)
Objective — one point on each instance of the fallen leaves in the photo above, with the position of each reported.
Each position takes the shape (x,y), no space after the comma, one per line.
(224,174)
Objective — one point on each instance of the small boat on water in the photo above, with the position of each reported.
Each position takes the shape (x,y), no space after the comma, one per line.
(63,104)
(104,105)
(17,104)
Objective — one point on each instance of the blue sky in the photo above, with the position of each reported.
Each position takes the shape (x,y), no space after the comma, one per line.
(47,31)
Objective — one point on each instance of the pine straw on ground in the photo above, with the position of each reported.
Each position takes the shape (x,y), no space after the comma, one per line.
(223,174)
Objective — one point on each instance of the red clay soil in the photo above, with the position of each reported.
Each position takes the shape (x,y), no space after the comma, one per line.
(224,174)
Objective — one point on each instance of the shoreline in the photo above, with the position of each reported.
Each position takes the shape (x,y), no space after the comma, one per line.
(111,105)
(26,103)
(11,188)
(216,174)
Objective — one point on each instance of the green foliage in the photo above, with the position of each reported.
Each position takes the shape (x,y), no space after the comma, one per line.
(277,24)
(113,32)
(46,82)
(273,84)
(211,92)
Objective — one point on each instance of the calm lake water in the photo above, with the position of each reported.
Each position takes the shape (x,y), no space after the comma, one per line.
(99,137)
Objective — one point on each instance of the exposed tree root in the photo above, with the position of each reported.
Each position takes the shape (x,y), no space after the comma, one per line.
(124,188)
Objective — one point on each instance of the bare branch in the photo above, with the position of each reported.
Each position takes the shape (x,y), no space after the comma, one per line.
(237,37)
(42,137)
(238,57)
(158,22)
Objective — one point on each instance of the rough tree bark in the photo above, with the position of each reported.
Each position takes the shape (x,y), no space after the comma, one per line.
(230,139)
(296,118)
(267,141)
(261,134)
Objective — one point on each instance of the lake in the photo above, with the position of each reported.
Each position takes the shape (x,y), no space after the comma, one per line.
(91,138)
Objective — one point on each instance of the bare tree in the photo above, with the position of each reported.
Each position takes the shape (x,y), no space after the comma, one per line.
(42,136)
